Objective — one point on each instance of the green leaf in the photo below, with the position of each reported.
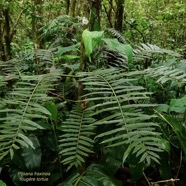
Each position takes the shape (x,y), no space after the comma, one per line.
(32,157)
(11,153)
(95,175)
(178,109)
(114,158)
(53,178)
(173,122)
(68,57)
(43,124)
(165,145)
(70,181)
(91,41)
(52,108)
(163,108)
(50,141)
(136,171)
(15,146)
(62,50)
(15,177)
(178,128)
(125,49)
(178,102)
(26,139)
(18,159)
(2,183)
(164,166)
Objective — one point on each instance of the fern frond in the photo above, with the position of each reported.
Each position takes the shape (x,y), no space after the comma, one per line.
(116,35)
(44,59)
(146,51)
(120,102)
(46,56)
(164,74)
(3,81)
(21,106)
(105,57)
(12,67)
(76,142)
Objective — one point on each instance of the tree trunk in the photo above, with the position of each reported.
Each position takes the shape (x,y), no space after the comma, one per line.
(67,6)
(95,17)
(2,51)
(73,8)
(7,34)
(119,15)
(109,13)
(36,23)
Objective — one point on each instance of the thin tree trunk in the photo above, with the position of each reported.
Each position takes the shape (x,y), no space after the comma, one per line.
(36,23)
(73,8)
(2,51)
(7,34)
(95,18)
(109,13)
(119,15)
(67,6)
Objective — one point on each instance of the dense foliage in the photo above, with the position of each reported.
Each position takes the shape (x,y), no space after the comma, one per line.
(92,95)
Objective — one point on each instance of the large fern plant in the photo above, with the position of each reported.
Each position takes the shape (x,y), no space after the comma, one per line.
(115,101)
(20,106)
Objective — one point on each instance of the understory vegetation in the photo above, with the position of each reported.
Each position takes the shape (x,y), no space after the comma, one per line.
(84,105)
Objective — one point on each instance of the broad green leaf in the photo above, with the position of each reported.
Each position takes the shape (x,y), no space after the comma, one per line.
(164,166)
(178,128)
(125,49)
(2,183)
(91,41)
(173,122)
(14,175)
(18,159)
(178,105)
(32,157)
(165,145)
(44,125)
(113,158)
(136,168)
(71,180)
(52,108)
(95,175)
(62,50)
(98,175)
(163,108)
(53,178)
(50,141)
(68,57)
(178,109)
